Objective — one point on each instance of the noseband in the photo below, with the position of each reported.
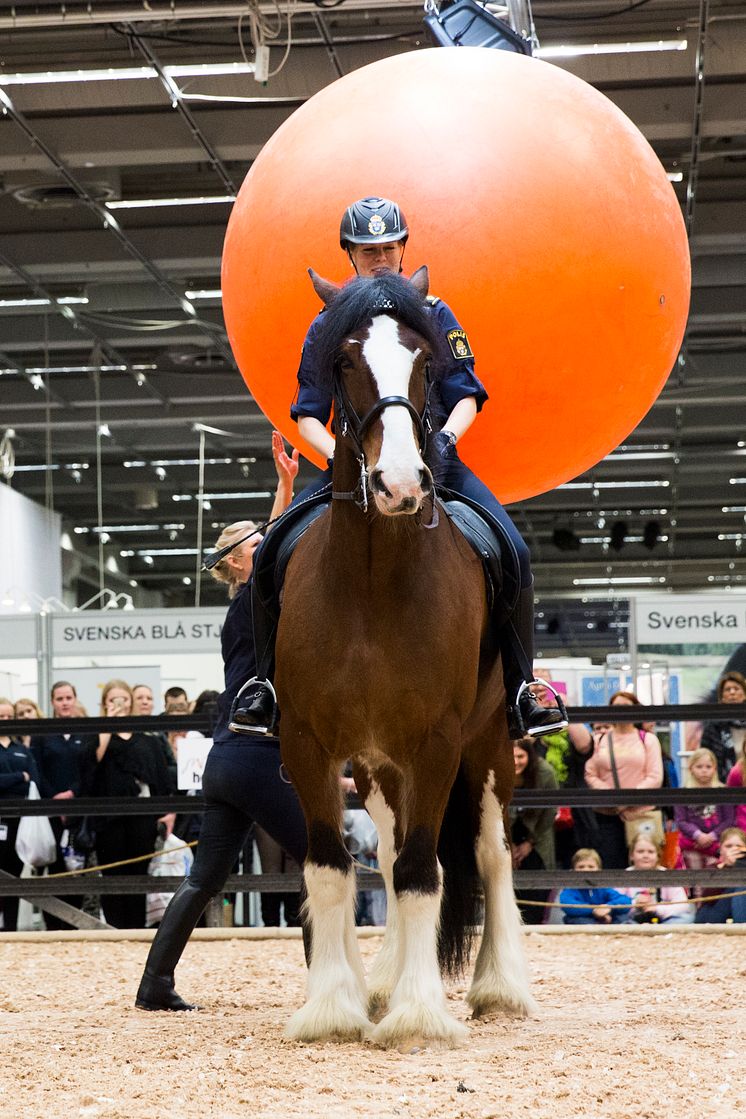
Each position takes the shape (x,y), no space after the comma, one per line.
(356,428)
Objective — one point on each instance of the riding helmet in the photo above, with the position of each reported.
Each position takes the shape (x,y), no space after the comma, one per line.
(371,221)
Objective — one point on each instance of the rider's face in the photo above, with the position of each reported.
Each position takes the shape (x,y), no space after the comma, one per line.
(374,260)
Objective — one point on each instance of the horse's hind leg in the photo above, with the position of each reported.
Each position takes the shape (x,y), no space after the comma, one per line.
(418,1007)
(336,997)
(500,976)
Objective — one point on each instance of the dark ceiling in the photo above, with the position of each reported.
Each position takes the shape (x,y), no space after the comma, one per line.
(139,359)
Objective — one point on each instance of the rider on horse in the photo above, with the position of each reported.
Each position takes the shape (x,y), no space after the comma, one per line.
(374,234)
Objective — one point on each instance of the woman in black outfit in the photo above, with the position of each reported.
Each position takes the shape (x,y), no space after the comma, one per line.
(124,764)
(17,771)
(242,782)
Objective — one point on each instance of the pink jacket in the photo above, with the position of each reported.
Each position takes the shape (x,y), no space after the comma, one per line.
(677,894)
(639,764)
(735,781)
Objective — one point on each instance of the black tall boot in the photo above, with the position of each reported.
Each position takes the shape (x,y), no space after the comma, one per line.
(525,714)
(156,990)
(254,709)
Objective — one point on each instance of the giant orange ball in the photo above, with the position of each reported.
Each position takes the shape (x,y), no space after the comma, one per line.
(546,220)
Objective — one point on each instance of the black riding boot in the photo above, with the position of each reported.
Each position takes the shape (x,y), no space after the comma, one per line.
(156,990)
(525,714)
(255,707)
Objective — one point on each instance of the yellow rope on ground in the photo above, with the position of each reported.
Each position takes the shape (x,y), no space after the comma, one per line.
(122,862)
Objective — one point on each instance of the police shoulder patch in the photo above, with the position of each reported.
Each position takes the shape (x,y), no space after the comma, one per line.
(459,344)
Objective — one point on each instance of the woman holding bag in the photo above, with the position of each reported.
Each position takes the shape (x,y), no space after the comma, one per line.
(17,771)
(625,757)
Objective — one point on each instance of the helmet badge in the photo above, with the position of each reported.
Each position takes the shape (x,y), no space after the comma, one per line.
(376,225)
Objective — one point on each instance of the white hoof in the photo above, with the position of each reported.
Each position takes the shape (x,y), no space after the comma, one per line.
(418,1022)
(324,1018)
(485,997)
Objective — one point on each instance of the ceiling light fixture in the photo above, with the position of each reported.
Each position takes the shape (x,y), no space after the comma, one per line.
(636,485)
(149,203)
(642,46)
(615,580)
(126,73)
(204,293)
(62,301)
(222,496)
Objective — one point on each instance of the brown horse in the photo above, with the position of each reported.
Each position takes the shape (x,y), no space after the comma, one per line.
(384,656)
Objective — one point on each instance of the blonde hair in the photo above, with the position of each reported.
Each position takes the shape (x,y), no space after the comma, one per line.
(7,703)
(223,572)
(697,756)
(109,687)
(584,853)
(728,832)
(646,838)
(29,703)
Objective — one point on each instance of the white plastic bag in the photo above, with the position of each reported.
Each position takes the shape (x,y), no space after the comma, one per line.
(168,865)
(35,842)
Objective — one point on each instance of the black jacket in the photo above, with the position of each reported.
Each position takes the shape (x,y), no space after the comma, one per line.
(15,760)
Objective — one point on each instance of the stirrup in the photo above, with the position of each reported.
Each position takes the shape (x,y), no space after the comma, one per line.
(544,728)
(259,728)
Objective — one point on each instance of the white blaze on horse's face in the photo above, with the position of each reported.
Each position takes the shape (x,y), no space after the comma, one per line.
(398,479)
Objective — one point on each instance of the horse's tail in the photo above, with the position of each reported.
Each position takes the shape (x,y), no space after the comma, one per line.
(460,907)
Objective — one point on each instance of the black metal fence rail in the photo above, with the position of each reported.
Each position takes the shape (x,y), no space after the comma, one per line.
(366,879)
(661,713)
(522,798)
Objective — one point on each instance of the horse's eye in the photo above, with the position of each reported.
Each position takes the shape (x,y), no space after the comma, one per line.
(345,363)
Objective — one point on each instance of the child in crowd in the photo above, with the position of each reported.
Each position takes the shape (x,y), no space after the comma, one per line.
(732,907)
(661,904)
(701,825)
(595,903)
(736,779)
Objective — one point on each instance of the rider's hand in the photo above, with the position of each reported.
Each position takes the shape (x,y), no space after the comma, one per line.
(444,444)
(286,465)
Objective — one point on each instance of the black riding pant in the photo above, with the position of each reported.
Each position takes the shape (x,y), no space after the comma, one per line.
(242,783)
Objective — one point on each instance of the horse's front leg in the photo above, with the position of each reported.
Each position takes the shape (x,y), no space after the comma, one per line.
(417,1006)
(336,1002)
(380,794)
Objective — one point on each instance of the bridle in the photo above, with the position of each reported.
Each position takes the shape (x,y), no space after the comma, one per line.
(355,427)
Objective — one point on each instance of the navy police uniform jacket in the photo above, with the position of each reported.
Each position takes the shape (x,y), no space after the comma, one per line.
(15,760)
(456,381)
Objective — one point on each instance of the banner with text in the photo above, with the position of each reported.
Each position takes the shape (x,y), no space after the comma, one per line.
(682,619)
(137,631)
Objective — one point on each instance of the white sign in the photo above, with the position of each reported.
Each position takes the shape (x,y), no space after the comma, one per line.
(18,636)
(191,755)
(688,619)
(137,631)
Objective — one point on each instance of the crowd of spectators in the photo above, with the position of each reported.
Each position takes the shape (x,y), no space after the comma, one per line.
(627,754)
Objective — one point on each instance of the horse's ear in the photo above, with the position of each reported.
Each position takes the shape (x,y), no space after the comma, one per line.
(420,280)
(325,289)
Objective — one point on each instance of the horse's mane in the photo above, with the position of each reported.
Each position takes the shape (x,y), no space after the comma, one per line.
(361,300)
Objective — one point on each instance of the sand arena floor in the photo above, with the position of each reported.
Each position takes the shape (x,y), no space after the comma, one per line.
(629,1026)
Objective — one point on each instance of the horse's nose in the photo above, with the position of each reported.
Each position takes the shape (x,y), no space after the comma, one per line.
(377,484)
(426,481)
